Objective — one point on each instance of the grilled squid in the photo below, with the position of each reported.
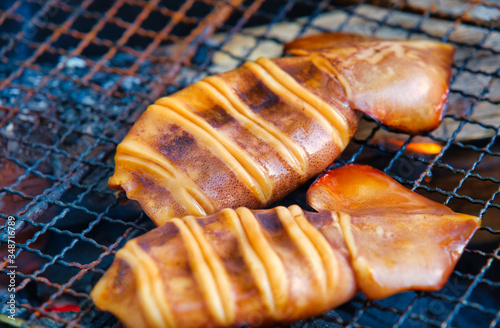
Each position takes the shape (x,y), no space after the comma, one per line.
(250,136)
(285,264)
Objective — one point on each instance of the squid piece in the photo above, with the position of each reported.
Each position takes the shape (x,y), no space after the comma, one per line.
(250,136)
(285,264)
(418,241)
(401,83)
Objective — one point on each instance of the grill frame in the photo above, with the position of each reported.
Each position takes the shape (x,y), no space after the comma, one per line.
(34,138)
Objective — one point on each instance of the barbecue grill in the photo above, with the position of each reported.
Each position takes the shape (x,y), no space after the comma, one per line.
(76,74)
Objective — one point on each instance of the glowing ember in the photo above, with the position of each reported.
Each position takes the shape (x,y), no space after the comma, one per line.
(429,148)
(63,308)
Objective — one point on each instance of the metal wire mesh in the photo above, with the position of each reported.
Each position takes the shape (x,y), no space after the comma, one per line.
(75,75)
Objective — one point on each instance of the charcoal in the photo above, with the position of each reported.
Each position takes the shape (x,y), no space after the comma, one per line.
(73,62)
(130,83)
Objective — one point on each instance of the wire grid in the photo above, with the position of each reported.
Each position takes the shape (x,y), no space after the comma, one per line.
(75,75)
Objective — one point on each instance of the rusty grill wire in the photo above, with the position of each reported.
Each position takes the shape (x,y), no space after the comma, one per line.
(75,75)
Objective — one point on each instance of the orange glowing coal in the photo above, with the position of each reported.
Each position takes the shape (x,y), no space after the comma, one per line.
(63,308)
(429,148)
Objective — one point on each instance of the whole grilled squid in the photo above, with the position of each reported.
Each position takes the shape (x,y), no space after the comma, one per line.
(285,264)
(250,136)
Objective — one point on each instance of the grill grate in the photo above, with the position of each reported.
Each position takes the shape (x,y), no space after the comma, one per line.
(75,75)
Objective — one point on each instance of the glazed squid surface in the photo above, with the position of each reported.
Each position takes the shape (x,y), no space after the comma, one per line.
(284,264)
(250,136)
